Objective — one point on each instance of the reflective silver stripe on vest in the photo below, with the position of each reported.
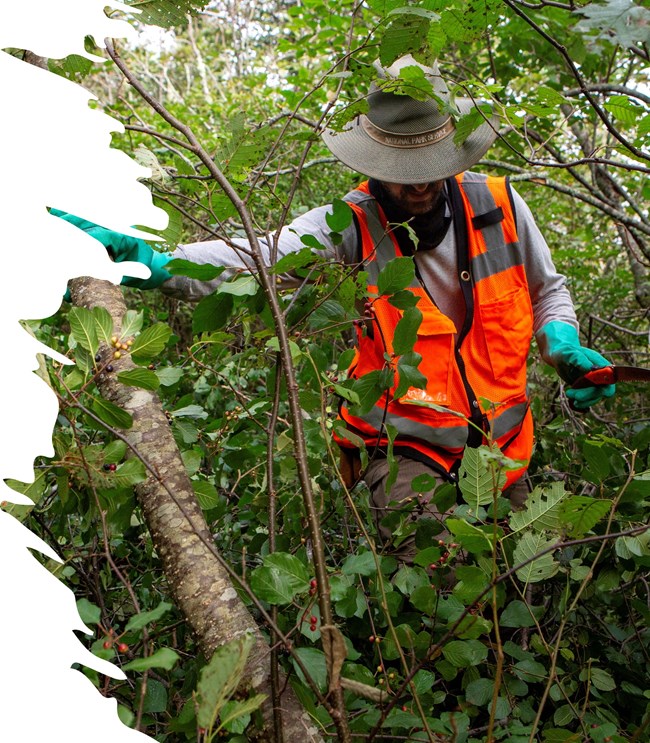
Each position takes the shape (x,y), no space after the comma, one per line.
(384,246)
(451,437)
(496,260)
(500,255)
(508,421)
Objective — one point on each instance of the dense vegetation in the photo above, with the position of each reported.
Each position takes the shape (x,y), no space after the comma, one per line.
(541,633)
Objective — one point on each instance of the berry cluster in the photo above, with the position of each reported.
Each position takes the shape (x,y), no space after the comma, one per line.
(112,641)
(117,344)
(446,557)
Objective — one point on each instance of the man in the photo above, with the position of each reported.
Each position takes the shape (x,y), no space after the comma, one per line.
(485,283)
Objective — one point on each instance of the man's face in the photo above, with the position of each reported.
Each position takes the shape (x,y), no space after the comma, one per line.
(415,198)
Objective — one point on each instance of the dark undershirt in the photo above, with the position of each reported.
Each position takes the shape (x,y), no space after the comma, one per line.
(430,228)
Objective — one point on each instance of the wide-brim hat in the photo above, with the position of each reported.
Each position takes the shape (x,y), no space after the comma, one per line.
(405,140)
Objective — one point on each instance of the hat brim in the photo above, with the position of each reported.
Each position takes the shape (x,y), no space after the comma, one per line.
(433,162)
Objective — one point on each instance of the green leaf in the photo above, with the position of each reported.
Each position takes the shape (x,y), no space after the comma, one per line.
(244,285)
(167,13)
(469,536)
(327,313)
(89,613)
(293,261)
(131,323)
(470,122)
(476,481)
(623,109)
(619,21)
(601,679)
(130,473)
(370,387)
(314,662)
(143,378)
(541,509)
(156,697)
(520,614)
(406,34)
(164,658)
(465,653)
(406,331)
(423,483)
(190,411)
(409,578)
(580,513)
(151,341)
(199,271)
(404,300)
(114,452)
(472,582)
(113,416)
(530,671)
(220,677)
(168,375)
(34,490)
(409,375)
(396,275)
(235,716)
(206,494)
(362,564)
(340,217)
(479,692)
(212,312)
(280,578)
(144,618)
(540,569)
(103,324)
(425,599)
(73,67)
(274,345)
(82,327)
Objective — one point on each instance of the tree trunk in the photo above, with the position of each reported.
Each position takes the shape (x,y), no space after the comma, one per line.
(200,585)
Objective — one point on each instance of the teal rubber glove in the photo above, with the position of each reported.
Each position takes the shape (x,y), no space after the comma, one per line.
(559,344)
(125,248)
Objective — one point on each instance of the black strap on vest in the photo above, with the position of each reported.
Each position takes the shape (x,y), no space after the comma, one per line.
(480,221)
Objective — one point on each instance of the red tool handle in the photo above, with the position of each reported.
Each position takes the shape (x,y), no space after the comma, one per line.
(596,378)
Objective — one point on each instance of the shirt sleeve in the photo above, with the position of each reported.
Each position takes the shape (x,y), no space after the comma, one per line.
(236,256)
(549,295)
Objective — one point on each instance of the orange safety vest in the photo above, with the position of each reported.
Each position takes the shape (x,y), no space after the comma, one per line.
(483,360)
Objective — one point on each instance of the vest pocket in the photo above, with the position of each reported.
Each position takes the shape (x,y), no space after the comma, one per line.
(508,328)
(435,343)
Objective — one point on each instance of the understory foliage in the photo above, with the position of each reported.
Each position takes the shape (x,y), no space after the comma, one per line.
(518,626)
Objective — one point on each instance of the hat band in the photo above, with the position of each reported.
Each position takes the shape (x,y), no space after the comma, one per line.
(407,141)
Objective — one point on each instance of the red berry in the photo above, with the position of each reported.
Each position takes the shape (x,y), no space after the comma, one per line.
(371,638)
(404,708)
(313,619)
(112,467)
(312,627)
(313,583)
(122,647)
(107,645)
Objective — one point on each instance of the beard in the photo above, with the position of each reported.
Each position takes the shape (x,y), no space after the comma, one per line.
(415,199)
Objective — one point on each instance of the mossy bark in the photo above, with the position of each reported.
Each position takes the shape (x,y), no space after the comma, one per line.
(200,585)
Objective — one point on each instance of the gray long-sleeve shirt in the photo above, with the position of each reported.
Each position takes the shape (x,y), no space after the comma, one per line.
(550,298)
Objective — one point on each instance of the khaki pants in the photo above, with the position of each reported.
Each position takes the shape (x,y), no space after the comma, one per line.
(375,477)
